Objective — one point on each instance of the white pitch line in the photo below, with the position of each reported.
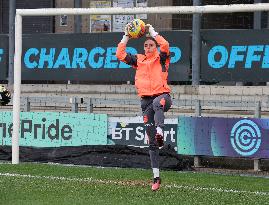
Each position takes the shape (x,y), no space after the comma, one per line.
(173,186)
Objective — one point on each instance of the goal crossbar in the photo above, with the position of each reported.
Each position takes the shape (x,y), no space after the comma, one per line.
(91,11)
(149,10)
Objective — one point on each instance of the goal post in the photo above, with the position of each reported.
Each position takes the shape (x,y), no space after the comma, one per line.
(95,11)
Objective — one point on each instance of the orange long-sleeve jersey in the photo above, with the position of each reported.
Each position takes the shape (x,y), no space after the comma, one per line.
(151,72)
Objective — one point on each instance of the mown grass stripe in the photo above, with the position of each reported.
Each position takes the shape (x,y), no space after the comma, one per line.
(135,183)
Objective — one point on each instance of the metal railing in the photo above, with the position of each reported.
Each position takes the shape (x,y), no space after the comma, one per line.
(91,103)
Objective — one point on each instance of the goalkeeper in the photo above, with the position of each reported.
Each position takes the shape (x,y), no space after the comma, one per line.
(151,84)
(5,96)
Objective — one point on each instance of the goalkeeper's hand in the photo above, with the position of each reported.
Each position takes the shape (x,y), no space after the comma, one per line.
(126,28)
(151,31)
(5,96)
(126,36)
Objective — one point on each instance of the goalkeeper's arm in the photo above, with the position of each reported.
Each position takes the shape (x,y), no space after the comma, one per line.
(5,96)
(121,50)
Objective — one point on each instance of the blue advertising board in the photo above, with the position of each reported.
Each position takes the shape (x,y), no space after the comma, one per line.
(3,57)
(91,57)
(235,55)
(55,129)
(231,137)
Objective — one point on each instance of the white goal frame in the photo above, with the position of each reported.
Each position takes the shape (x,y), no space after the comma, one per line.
(92,11)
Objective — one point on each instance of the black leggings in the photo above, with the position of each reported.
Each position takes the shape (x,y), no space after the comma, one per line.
(153,109)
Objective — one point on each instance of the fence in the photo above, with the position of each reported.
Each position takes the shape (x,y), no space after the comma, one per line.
(89,104)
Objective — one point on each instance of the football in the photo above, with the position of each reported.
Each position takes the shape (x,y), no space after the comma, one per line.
(136,28)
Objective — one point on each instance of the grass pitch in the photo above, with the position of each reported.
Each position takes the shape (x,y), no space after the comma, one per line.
(56,184)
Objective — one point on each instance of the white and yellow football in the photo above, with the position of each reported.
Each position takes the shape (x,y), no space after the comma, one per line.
(136,28)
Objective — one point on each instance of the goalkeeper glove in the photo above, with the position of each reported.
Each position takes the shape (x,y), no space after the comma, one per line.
(125,37)
(151,31)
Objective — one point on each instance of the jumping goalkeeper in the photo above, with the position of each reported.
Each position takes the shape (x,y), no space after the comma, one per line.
(151,84)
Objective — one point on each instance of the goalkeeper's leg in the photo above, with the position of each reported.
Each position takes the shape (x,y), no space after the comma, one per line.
(148,116)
